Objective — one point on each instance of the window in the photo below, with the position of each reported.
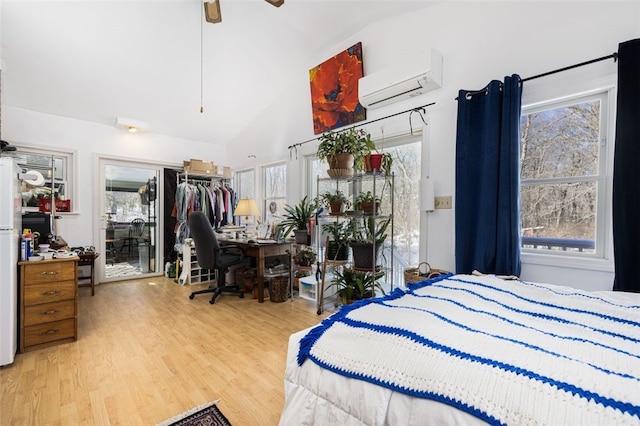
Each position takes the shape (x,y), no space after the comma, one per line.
(244,185)
(56,167)
(564,175)
(274,196)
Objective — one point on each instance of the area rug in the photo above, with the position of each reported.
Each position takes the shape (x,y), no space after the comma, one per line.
(207,414)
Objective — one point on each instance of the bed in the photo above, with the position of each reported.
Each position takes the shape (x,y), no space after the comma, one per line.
(467,349)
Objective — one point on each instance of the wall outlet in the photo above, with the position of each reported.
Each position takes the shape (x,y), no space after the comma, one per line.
(443,202)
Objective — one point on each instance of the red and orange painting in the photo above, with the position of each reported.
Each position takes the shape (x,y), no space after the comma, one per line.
(334,90)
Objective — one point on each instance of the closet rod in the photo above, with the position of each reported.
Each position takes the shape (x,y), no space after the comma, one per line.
(416,109)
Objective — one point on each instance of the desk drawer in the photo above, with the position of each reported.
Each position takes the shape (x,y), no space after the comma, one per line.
(52,292)
(49,312)
(49,332)
(45,271)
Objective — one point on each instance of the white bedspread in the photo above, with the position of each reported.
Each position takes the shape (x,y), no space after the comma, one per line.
(505,352)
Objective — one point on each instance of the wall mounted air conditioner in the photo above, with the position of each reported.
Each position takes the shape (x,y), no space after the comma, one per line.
(401,81)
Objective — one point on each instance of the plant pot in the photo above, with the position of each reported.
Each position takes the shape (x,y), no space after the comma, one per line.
(373,162)
(337,252)
(341,161)
(370,207)
(335,208)
(364,256)
(301,236)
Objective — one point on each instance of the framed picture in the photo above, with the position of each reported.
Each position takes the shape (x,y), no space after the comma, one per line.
(334,90)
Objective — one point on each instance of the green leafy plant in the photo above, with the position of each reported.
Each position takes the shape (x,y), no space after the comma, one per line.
(350,141)
(297,216)
(366,230)
(306,256)
(338,232)
(337,201)
(366,197)
(331,197)
(356,285)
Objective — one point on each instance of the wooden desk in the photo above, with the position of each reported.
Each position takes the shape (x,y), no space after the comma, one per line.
(260,252)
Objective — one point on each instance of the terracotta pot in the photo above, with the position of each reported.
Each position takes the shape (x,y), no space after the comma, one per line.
(370,207)
(373,162)
(341,161)
(336,207)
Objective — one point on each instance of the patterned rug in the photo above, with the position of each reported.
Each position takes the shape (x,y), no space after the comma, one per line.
(207,414)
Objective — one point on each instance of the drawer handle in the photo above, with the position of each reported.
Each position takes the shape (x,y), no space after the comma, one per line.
(53,311)
(50,293)
(49,273)
(52,331)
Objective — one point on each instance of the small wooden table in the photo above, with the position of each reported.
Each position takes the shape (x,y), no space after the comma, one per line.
(88,259)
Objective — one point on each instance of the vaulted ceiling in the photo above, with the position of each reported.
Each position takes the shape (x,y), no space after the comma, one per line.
(159,61)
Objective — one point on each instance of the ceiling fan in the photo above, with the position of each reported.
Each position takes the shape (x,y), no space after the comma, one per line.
(212,9)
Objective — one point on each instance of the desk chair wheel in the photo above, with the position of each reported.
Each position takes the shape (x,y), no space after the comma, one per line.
(191,296)
(241,295)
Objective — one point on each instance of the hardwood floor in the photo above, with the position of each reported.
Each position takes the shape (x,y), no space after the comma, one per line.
(146,353)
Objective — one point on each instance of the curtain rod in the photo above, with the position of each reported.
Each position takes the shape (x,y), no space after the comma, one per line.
(416,109)
(581,64)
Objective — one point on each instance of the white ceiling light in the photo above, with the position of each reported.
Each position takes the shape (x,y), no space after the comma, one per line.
(130,125)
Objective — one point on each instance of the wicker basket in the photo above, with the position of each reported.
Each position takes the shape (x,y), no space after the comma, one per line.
(423,272)
(279,289)
(246,280)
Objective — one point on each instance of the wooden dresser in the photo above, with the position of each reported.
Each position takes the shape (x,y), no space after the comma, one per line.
(48,302)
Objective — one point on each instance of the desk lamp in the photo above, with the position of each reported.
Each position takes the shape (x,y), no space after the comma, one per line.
(246,207)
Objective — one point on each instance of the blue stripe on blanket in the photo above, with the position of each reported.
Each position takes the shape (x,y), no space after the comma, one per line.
(459,292)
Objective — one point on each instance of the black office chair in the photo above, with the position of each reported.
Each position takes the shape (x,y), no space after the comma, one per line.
(211,255)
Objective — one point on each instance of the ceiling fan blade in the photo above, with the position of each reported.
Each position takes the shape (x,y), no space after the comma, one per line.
(276,3)
(212,11)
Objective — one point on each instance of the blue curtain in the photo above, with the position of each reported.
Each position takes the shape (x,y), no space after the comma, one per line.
(488,179)
(626,173)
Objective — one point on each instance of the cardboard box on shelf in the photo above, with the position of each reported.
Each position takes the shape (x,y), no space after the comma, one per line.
(198,166)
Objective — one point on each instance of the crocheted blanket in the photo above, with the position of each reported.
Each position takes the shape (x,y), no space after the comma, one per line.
(508,352)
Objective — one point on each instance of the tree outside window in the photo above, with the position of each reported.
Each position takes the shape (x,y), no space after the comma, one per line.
(563,175)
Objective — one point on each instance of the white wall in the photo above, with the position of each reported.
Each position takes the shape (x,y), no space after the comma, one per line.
(480,41)
(89,140)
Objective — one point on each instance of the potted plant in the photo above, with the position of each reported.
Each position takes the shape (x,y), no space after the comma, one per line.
(378,162)
(297,217)
(345,150)
(366,202)
(336,201)
(367,236)
(338,245)
(352,285)
(305,257)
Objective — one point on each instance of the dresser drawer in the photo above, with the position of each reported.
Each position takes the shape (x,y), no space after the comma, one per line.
(47,271)
(49,332)
(48,312)
(52,292)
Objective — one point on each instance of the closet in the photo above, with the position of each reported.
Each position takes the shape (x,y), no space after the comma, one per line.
(212,195)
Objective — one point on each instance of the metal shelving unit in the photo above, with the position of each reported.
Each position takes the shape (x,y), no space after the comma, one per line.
(353,185)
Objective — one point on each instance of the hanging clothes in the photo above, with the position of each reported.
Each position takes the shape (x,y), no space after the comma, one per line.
(213,198)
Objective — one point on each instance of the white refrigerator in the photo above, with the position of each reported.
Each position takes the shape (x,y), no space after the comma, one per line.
(10,232)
